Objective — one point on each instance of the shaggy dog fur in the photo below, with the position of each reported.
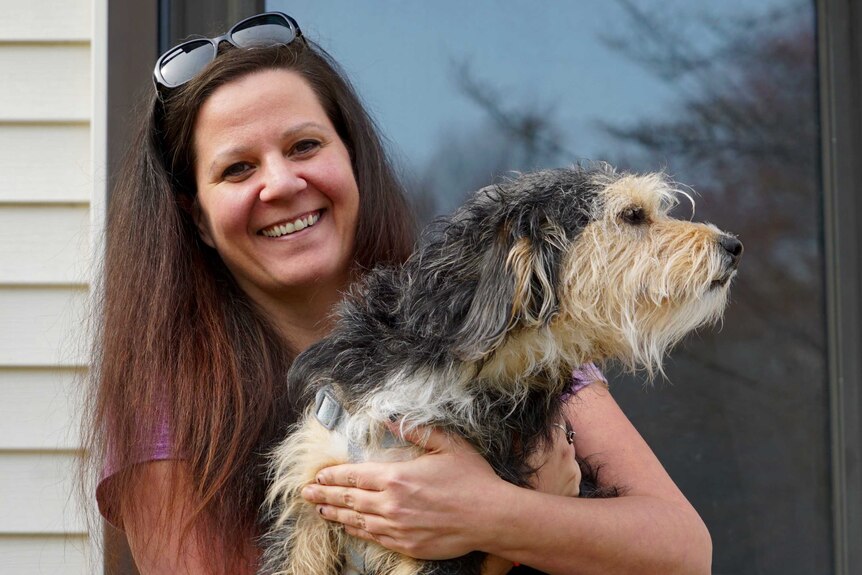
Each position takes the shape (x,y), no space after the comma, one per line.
(478,333)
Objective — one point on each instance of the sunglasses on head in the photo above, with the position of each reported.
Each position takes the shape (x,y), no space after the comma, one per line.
(184,61)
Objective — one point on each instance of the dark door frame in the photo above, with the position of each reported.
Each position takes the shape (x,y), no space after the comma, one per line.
(840,65)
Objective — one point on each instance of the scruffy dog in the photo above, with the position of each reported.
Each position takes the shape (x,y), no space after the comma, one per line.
(478,333)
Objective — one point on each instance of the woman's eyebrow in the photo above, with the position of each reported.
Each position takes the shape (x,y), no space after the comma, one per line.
(302,127)
(242,150)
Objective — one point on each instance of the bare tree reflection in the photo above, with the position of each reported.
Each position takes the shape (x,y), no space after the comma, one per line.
(514,137)
(743,131)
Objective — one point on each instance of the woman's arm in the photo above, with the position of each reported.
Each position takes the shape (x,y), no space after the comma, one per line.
(449,502)
(164,497)
(651,529)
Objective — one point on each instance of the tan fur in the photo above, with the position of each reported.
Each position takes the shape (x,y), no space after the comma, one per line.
(520,262)
(651,308)
(523,262)
(318,546)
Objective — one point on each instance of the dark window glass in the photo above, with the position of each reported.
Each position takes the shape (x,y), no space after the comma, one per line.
(722,94)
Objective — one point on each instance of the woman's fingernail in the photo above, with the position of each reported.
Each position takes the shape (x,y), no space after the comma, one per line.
(320,480)
(320,509)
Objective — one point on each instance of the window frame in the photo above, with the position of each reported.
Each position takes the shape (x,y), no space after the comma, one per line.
(840,66)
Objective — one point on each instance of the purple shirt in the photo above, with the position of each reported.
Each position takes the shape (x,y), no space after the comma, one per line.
(161,447)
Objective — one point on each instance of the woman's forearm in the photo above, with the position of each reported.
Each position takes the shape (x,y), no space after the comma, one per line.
(626,535)
(449,501)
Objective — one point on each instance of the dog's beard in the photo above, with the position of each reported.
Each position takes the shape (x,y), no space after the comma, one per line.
(656,329)
(635,303)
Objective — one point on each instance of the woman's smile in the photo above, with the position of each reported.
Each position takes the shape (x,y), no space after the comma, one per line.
(292,226)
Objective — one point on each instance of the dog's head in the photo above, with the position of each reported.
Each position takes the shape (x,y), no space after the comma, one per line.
(591,257)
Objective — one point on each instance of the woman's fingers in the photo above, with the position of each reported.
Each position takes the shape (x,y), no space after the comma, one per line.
(430,439)
(352,518)
(363,534)
(342,498)
(367,476)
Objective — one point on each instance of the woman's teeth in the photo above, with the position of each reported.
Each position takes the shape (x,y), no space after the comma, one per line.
(290,227)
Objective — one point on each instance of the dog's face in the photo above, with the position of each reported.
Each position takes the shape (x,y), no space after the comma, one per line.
(635,280)
(594,257)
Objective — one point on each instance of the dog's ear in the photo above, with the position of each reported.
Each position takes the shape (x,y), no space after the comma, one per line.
(516,286)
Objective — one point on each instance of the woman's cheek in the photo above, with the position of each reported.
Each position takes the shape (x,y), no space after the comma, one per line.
(559,472)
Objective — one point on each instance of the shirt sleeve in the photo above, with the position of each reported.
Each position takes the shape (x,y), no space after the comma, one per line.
(585,375)
(160,448)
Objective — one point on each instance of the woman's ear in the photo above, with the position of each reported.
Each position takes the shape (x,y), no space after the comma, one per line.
(202,224)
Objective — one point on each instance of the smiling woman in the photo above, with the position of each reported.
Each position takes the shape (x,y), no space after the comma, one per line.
(276,195)
(193,337)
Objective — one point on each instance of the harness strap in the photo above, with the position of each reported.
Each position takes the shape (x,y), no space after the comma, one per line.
(332,415)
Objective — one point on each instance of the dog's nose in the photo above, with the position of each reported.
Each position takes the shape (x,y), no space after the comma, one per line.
(733,247)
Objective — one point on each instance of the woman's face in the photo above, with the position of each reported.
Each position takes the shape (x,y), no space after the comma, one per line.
(276,193)
(558,470)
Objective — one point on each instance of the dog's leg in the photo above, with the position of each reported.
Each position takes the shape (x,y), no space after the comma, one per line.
(380,561)
(467,565)
(300,541)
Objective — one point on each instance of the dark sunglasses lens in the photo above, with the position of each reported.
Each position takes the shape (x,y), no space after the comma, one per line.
(183,62)
(266,29)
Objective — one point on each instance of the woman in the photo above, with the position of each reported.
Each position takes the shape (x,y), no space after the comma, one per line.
(257,191)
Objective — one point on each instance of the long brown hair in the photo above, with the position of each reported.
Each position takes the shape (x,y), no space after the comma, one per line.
(177,343)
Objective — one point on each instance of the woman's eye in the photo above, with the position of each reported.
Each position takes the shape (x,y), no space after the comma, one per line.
(237,170)
(305,146)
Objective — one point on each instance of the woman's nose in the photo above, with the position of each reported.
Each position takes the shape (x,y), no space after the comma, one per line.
(281,180)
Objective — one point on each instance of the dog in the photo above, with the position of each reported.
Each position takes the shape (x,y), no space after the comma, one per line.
(478,333)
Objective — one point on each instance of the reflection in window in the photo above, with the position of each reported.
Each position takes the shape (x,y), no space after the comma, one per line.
(723,95)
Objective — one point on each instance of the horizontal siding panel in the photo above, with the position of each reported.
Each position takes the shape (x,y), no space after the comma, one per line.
(61,170)
(45,82)
(39,409)
(42,326)
(45,20)
(44,244)
(40,493)
(34,555)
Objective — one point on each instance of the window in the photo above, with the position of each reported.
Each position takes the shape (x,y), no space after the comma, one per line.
(755,105)
(724,96)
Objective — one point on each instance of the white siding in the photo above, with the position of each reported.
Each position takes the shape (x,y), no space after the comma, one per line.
(45,82)
(44,244)
(31,555)
(47,20)
(52,111)
(45,163)
(39,408)
(45,488)
(42,327)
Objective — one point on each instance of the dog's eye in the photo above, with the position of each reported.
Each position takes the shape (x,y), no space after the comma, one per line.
(633,216)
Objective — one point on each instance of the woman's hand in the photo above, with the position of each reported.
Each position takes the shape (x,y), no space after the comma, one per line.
(431,507)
